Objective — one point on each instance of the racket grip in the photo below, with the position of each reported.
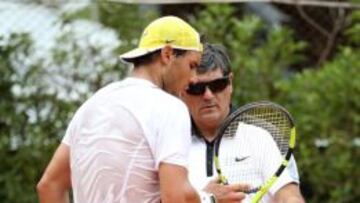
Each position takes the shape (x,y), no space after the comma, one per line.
(223,180)
(253,190)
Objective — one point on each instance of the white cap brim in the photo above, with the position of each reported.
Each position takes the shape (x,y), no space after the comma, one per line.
(137,53)
(143,51)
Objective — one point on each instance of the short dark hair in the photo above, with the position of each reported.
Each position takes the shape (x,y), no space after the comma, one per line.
(213,57)
(147,58)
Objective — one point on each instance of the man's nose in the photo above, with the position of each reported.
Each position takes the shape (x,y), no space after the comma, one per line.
(208,94)
(194,79)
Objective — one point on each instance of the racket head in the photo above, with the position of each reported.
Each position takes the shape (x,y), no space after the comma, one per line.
(267,116)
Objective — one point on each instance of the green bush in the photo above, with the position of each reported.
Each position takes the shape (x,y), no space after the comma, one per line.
(260,55)
(38,98)
(23,129)
(35,114)
(324,100)
(325,103)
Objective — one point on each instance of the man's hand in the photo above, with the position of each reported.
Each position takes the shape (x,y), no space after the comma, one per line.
(226,193)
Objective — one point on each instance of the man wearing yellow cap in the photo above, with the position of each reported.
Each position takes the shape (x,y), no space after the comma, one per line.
(129,142)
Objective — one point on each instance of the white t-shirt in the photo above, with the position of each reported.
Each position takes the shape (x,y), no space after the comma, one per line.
(256,160)
(118,138)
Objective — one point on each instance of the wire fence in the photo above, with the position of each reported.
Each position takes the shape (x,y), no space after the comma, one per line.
(320,23)
(317,3)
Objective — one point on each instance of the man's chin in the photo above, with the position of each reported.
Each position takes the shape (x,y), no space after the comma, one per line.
(210,117)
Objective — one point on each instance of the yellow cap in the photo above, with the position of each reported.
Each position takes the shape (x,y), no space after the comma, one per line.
(169,30)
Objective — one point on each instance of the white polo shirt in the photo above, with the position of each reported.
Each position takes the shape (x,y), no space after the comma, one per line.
(254,160)
(119,137)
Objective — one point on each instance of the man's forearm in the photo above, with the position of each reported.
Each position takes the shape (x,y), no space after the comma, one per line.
(55,183)
(290,193)
(48,193)
(293,199)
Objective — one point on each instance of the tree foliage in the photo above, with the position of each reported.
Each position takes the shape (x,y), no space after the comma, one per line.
(254,49)
(33,118)
(324,100)
(39,94)
(325,104)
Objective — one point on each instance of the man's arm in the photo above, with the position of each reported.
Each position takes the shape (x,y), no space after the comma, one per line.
(290,193)
(56,180)
(175,186)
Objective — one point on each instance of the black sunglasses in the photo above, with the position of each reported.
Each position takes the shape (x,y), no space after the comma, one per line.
(215,86)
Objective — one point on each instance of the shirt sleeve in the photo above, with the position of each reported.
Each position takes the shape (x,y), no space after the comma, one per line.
(289,175)
(70,131)
(272,158)
(174,138)
(66,138)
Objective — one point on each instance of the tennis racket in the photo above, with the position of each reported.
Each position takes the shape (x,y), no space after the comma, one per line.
(264,128)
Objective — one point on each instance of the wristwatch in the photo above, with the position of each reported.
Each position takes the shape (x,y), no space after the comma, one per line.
(207,197)
(212,198)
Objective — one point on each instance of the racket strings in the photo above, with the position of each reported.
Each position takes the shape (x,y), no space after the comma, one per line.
(247,154)
(236,163)
(272,120)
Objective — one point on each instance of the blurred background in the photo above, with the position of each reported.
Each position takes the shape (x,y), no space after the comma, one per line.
(305,55)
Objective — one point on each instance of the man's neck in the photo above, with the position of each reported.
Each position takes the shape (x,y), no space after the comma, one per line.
(150,72)
(208,134)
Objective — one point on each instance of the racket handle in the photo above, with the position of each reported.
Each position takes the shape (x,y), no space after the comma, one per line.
(253,190)
(223,180)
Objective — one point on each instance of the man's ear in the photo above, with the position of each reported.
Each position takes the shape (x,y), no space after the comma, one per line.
(231,78)
(166,54)
(231,81)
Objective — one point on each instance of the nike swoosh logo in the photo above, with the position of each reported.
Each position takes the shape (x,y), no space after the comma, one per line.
(238,159)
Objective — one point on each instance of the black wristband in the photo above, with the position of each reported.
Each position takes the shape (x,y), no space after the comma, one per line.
(212,198)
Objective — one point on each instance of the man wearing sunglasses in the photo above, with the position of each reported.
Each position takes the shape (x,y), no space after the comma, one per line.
(209,102)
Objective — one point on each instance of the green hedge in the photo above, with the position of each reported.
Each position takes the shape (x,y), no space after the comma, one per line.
(324,100)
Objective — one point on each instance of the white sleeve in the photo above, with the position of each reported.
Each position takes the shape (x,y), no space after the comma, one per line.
(70,130)
(272,159)
(270,156)
(289,175)
(293,170)
(66,138)
(174,137)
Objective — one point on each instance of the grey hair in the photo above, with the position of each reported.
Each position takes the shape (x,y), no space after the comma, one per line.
(214,57)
